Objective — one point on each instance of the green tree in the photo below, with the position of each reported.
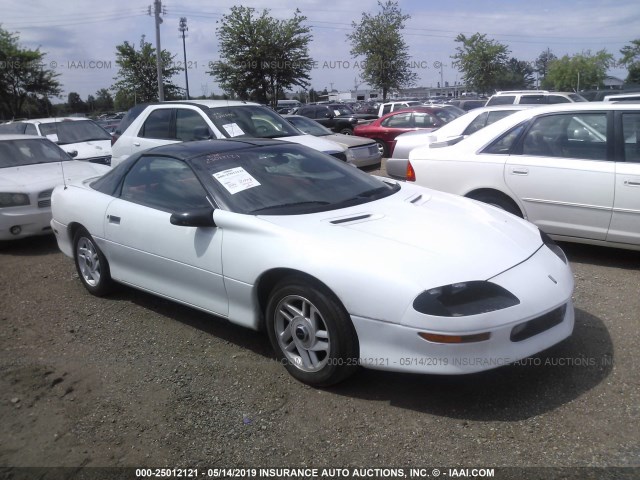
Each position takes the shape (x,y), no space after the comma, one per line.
(137,81)
(22,76)
(75,103)
(542,63)
(631,60)
(482,62)
(313,96)
(578,72)
(260,56)
(103,100)
(517,75)
(379,40)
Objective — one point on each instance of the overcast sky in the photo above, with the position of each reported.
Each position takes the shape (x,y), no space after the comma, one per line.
(80,37)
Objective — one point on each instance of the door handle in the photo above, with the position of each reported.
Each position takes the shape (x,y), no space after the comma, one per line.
(113,219)
(631,183)
(136,144)
(520,171)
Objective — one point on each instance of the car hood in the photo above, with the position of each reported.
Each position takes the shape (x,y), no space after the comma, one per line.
(316,143)
(92,149)
(47,174)
(421,232)
(349,140)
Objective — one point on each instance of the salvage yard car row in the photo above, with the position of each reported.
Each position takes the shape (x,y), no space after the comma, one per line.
(274,235)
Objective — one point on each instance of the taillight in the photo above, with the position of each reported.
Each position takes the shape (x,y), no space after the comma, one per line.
(411,174)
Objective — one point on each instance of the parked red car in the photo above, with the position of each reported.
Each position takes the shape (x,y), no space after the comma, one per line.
(385,129)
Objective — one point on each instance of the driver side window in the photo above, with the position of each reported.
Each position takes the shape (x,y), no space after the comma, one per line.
(165,184)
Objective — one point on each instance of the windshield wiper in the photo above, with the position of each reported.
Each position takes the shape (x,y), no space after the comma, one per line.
(375,191)
(379,192)
(287,205)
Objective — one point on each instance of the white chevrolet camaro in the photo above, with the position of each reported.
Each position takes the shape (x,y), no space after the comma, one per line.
(342,269)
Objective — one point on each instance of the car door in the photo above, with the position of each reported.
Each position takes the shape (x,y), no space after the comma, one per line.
(158,128)
(324,116)
(147,251)
(563,174)
(625,222)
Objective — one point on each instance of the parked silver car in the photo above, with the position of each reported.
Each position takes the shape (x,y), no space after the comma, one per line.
(361,152)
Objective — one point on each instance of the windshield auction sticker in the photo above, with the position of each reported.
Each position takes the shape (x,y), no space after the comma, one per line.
(233,129)
(236,180)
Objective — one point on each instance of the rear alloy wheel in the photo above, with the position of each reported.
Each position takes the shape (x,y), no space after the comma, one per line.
(91,264)
(311,333)
(346,131)
(382,147)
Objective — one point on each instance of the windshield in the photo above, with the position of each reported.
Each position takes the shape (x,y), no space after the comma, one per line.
(74,131)
(286,180)
(309,126)
(16,153)
(445,114)
(250,121)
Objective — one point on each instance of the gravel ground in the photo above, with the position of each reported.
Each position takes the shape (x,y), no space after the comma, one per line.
(133,380)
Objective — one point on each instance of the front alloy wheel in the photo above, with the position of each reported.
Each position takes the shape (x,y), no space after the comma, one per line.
(302,333)
(311,332)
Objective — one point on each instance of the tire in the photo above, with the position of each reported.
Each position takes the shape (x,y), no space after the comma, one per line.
(382,148)
(311,333)
(91,264)
(497,200)
(346,131)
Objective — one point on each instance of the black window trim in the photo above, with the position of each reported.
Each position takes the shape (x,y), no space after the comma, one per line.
(619,145)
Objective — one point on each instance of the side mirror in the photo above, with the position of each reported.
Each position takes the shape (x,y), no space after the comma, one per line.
(73,153)
(198,217)
(201,133)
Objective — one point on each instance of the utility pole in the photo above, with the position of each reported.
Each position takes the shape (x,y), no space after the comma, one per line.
(183,28)
(157,10)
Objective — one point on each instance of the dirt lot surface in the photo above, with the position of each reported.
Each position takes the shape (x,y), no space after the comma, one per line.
(133,380)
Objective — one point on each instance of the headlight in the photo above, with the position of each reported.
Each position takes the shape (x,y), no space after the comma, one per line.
(350,156)
(553,246)
(463,299)
(13,199)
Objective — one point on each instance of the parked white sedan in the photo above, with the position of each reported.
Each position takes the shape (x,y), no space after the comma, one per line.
(341,268)
(448,134)
(81,138)
(30,167)
(572,169)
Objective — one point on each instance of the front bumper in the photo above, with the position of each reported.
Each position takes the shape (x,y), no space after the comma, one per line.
(28,221)
(387,346)
(544,317)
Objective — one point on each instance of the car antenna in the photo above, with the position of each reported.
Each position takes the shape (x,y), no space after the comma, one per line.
(64,177)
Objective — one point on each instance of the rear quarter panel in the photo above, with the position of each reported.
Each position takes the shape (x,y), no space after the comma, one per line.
(455,174)
(78,204)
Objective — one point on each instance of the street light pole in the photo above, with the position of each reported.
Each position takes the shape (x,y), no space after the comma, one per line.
(158,10)
(183,28)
